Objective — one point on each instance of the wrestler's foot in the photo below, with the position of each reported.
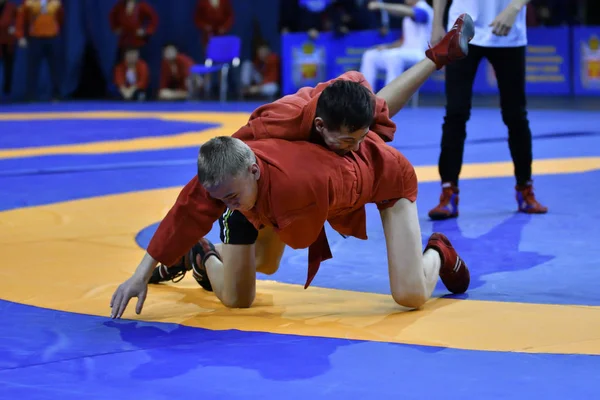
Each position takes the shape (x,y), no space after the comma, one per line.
(202,252)
(448,206)
(455,45)
(527,202)
(453,272)
(175,273)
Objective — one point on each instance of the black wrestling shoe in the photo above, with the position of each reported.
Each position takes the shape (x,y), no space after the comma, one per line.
(175,273)
(204,249)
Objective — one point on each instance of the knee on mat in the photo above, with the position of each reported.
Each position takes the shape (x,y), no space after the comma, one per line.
(243,301)
(409,300)
(267,268)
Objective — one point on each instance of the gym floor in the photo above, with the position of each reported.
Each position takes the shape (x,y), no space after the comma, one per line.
(83,186)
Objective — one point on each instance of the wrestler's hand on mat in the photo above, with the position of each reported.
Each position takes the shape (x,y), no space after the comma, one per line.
(132,287)
(504,22)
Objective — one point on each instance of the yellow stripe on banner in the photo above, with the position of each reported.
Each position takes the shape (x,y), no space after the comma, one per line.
(71,256)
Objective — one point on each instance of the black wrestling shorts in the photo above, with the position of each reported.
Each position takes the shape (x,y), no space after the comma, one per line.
(236,229)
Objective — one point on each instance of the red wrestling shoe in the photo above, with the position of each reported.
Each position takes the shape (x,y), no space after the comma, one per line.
(455,45)
(527,201)
(448,206)
(453,272)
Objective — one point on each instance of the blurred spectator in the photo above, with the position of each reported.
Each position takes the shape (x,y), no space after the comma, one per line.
(131,76)
(406,51)
(532,20)
(309,16)
(261,76)
(176,83)
(213,18)
(134,22)
(354,15)
(551,12)
(8,20)
(38,27)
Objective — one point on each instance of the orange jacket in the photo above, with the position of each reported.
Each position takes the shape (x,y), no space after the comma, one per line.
(33,21)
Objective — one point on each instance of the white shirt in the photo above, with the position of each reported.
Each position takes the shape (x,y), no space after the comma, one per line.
(416,35)
(483,13)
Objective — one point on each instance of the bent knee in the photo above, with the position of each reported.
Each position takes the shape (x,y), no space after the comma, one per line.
(410,300)
(267,268)
(244,301)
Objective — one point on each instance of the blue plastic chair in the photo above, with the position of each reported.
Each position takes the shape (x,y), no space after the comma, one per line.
(222,53)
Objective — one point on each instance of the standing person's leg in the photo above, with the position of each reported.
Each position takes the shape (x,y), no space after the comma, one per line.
(34,57)
(459,92)
(8,58)
(370,63)
(509,66)
(51,50)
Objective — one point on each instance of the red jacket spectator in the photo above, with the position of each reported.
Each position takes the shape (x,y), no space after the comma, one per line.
(8,21)
(173,74)
(127,21)
(213,18)
(269,69)
(139,78)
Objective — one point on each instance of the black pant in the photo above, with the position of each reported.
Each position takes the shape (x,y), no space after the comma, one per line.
(509,65)
(8,57)
(38,50)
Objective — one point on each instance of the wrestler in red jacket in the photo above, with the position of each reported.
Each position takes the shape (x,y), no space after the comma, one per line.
(262,184)
(348,114)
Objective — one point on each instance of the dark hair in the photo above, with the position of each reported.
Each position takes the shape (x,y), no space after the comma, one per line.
(346,104)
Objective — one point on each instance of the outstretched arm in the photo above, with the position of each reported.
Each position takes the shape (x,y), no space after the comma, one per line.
(399,10)
(190,219)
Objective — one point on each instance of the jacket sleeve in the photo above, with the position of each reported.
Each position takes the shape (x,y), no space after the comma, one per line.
(119,75)
(22,22)
(113,17)
(229,17)
(190,219)
(150,17)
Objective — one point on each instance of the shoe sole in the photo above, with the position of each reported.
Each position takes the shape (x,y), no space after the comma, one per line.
(466,34)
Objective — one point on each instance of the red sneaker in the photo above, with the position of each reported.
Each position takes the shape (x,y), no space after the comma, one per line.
(453,272)
(448,206)
(455,45)
(527,201)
